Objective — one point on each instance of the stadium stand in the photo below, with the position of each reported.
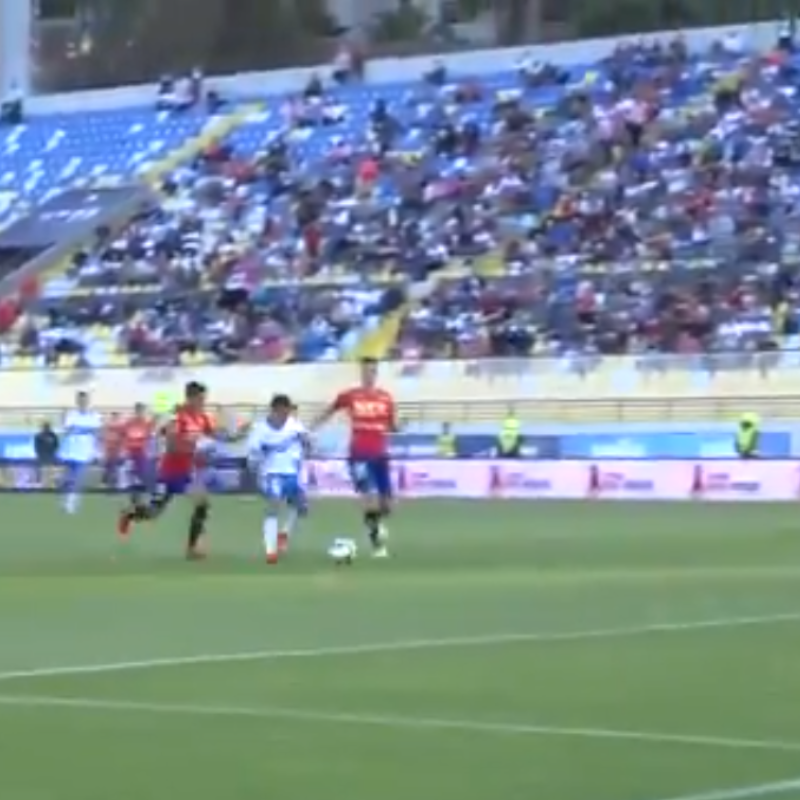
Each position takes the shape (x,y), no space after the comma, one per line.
(646,203)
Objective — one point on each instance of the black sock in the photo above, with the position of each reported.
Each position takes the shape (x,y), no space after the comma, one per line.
(142,509)
(372,519)
(197,525)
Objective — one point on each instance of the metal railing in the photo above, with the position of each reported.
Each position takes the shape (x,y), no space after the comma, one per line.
(491,411)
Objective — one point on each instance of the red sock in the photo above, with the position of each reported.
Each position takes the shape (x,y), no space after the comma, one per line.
(124,524)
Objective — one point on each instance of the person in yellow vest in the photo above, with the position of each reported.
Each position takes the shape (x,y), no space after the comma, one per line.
(748,434)
(509,440)
(446,443)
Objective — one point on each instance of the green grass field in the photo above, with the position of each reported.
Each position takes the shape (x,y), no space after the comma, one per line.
(509,650)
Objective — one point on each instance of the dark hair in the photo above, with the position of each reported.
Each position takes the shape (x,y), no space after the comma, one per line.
(194,389)
(281,402)
(369,361)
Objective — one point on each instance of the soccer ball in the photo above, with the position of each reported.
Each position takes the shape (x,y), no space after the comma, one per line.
(343,551)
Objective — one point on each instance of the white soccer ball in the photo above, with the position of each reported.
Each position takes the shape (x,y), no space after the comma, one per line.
(343,551)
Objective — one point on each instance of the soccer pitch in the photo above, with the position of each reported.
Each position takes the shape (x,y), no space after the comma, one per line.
(509,650)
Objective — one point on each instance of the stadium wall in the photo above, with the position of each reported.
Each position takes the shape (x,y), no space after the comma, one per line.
(622,408)
(611,387)
(760,35)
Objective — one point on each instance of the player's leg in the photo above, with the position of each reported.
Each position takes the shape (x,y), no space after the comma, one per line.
(135,482)
(272,489)
(296,506)
(74,477)
(382,482)
(362,474)
(143,508)
(201,507)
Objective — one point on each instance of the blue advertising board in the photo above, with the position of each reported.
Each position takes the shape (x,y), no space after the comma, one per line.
(231,476)
(407,445)
(633,445)
(709,445)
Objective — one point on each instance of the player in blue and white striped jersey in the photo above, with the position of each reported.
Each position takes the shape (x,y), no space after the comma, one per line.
(83,428)
(277,447)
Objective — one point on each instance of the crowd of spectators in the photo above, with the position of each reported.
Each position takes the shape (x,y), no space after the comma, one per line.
(646,203)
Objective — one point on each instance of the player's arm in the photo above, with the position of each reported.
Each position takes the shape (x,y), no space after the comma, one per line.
(395,425)
(227,436)
(101,436)
(340,403)
(169,430)
(255,449)
(305,440)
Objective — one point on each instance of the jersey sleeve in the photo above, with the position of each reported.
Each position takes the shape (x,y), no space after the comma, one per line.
(254,440)
(342,401)
(392,415)
(170,426)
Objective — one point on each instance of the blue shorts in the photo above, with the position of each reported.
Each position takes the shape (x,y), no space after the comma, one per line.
(282,488)
(176,485)
(76,473)
(371,476)
(139,471)
(300,501)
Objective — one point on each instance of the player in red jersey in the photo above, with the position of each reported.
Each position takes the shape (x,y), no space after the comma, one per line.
(113,440)
(373,420)
(138,440)
(183,468)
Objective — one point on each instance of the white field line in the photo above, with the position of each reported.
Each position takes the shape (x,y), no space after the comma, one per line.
(747,792)
(406,645)
(400,723)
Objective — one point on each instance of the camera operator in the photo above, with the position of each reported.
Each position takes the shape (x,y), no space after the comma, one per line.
(46,444)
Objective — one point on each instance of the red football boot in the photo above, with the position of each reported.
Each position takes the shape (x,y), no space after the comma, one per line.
(124,525)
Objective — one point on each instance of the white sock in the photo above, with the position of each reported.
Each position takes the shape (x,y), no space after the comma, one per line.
(271,534)
(290,520)
(71,502)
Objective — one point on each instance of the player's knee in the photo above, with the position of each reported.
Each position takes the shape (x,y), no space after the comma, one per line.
(371,502)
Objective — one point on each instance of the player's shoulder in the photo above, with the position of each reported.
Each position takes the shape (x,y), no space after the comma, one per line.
(345,395)
(378,394)
(209,422)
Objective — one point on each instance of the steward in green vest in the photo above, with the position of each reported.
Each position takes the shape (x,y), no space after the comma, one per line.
(509,440)
(747,436)
(446,443)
